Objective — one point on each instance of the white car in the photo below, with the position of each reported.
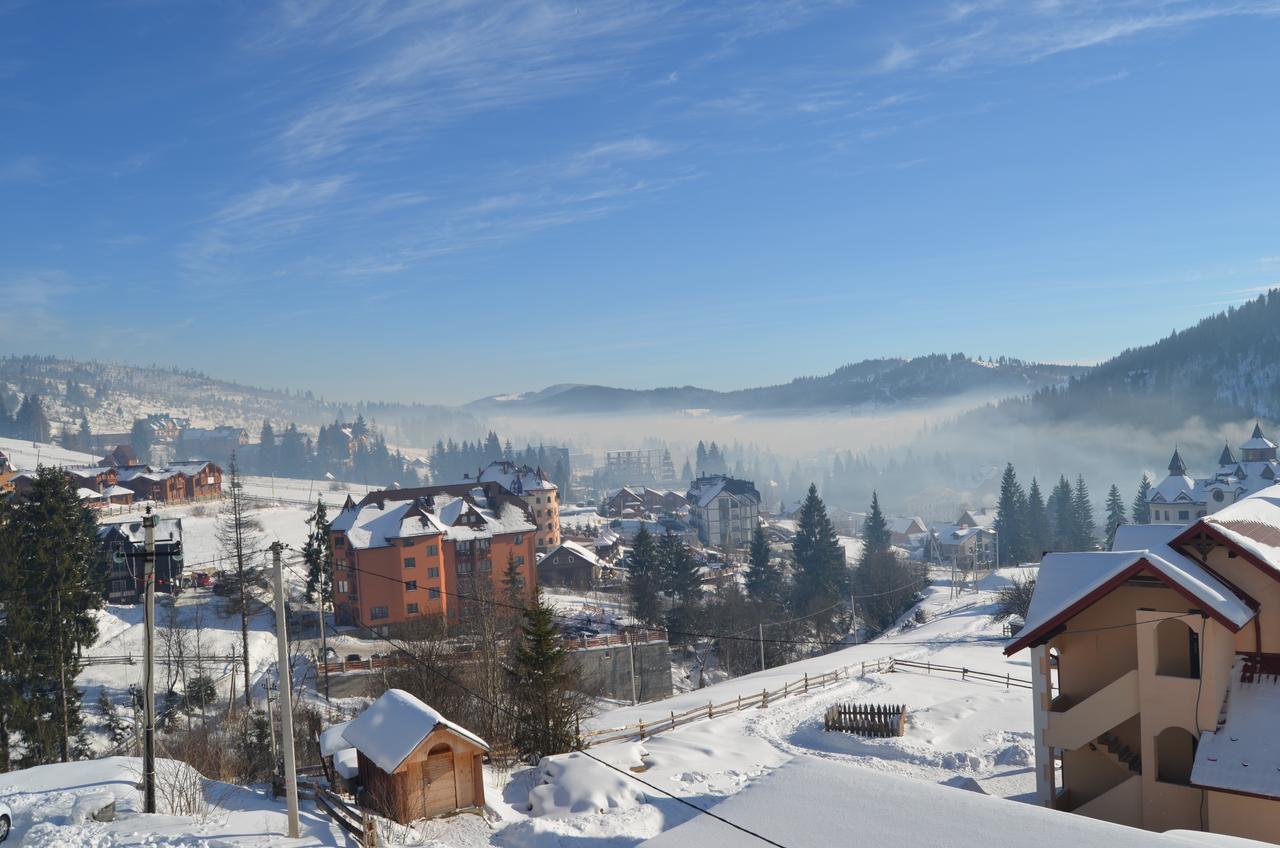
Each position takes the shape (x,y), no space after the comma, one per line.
(6,821)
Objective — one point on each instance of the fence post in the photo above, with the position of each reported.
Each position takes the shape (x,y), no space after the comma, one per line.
(864,668)
(641,723)
(1006,680)
(963,672)
(785,684)
(710,710)
(806,681)
(764,697)
(739,701)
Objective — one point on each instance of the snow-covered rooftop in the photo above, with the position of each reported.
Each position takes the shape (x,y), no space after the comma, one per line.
(814,803)
(1066,580)
(394,726)
(1244,754)
(516,479)
(331,741)
(375,523)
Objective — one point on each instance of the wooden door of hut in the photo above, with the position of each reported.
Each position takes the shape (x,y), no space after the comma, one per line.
(442,791)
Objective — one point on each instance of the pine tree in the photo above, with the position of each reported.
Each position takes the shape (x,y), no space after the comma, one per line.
(1141,507)
(85,436)
(1115,514)
(1039,533)
(686,473)
(701,459)
(644,580)
(1062,510)
(317,553)
(680,581)
(513,583)
(267,450)
(821,575)
(876,536)
(1086,527)
(545,684)
(30,422)
(1010,524)
(764,578)
(51,582)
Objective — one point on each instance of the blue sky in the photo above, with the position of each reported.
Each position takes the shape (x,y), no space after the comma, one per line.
(444,200)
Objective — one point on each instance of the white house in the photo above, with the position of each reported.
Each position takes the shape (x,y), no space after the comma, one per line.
(723,510)
(1180,498)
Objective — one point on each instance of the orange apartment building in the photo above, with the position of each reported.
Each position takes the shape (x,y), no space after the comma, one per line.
(402,556)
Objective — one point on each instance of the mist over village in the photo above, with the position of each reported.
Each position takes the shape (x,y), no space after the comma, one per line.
(639,424)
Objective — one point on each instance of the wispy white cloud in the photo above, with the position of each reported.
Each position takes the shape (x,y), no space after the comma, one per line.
(983,34)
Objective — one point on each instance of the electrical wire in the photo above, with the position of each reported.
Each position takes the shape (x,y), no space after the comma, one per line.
(577,749)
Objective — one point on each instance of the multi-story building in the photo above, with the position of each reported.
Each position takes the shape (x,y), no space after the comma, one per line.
(125,547)
(403,557)
(535,488)
(724,511)
(1180,498)
(649,466)
(1154,670)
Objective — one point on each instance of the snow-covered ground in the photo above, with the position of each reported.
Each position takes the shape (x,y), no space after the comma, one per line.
(53,807)
(771,769)
(27,455)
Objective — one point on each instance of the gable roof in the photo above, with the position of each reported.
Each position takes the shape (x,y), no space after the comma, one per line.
(394,726)
(1069,583)
(1250,526)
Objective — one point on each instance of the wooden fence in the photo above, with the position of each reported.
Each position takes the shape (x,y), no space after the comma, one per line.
(877,720)
(354,822)
(642,729)
(1008,680)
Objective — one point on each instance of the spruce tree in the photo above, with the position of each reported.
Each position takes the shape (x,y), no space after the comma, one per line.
(1063,514)
(30,422)
(1010,524)
(764,578)
(680,581)
(317,553)
(1086,527)
(1115,514)
(267,453)
(644,581)
(85,436)
(876,536)
(545,682)
(1141,507)
(1039,533)
(821,575)
(51,581)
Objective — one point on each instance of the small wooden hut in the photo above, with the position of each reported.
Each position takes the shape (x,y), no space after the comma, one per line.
(413,762)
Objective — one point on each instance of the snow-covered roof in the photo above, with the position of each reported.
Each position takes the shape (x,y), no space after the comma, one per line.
(954,534)
(394,726)
(375,523)
(331,741)
(347,763)
(1174,488)
(903,526)
(87,494)
(579,550)
(516,479)
(1253,524)
(116,491)
(1067,581)
(704,490)
(1243,755)
(167,529)
(812,802)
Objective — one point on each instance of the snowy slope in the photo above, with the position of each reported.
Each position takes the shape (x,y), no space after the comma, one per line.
(52,807)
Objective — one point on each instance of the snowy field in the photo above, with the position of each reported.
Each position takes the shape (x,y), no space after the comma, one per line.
(771,769)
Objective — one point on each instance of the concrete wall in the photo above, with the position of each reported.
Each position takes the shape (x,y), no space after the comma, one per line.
(607,670)
(1240,815)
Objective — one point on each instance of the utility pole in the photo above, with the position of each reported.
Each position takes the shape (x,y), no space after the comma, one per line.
(149,670)
(286,698)
(632,645)
(762,646)
(324,647)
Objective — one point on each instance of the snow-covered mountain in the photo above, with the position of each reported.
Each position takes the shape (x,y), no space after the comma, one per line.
(113,395)
(872,382)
